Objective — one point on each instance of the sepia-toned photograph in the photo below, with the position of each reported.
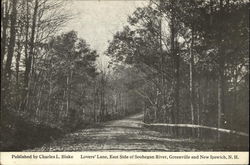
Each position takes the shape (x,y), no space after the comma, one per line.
(124,75)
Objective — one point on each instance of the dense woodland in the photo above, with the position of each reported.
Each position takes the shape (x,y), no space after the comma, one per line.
(192,60)
(178,62)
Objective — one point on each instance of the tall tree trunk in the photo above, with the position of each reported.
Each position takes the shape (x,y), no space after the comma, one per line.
(173,54)
(26,46)
(26,75)
(4,24)
(203,106)
(220,92)
(32,44)
(220,75)
(18,56)
(174,42)
(198,108)
(12,39)
(162,92)
(234,109)
(5,20)
(191,78)
(177,88)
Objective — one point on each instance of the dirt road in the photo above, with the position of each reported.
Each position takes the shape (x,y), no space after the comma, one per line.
(127,134)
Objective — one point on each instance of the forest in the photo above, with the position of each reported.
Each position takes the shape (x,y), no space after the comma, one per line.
(177,62)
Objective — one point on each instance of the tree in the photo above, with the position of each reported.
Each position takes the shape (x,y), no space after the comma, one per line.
(176,42)
(12,39)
